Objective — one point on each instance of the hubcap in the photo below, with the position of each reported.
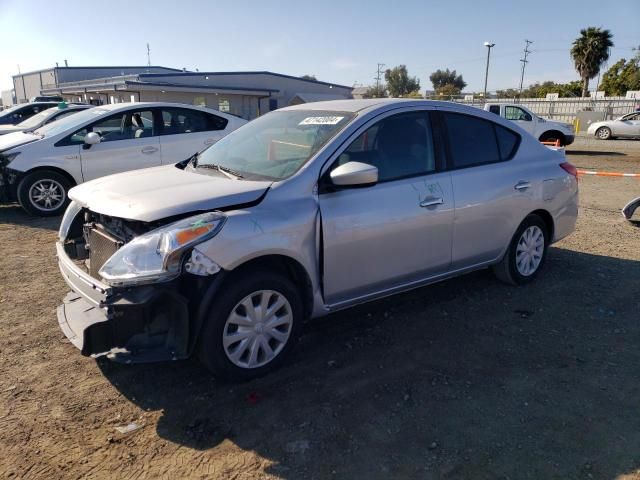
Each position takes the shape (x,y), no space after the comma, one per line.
(47,195)
(603,133)
(529,251)
(257,329)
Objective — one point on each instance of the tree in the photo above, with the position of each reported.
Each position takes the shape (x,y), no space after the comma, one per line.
(508,93)
(589,51)
(540,90)
(622,77)
(376,92)
(309,77)
(442,78)
(448,90)
(399,83)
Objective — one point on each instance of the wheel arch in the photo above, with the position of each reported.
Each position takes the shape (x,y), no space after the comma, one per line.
(58,170)
(547,218)
(553,134)
(286,266)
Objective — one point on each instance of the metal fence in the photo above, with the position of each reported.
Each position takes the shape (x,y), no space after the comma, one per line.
(563,109)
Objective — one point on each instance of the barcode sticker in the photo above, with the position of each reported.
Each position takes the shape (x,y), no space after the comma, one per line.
(320,120)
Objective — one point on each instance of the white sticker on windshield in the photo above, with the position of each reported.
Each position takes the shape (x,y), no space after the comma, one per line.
(320,120)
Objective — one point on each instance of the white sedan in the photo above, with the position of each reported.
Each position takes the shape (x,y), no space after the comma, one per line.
(43,118)
(38,168)
(625,126)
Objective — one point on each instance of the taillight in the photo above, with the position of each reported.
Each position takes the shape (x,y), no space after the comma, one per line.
(570,169)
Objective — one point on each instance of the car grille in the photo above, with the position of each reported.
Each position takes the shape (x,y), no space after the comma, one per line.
(101,247)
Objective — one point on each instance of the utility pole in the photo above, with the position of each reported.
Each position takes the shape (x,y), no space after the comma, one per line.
(489,45)
(377,77)
(524,63)
(148,55)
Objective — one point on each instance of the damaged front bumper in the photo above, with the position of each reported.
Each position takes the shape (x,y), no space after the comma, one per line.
(133,324)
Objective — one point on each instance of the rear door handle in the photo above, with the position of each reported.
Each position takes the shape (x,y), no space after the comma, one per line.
(522,185)
(209,141)
(149,149)
(431,202)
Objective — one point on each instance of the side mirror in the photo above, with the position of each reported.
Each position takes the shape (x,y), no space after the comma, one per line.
(92,138)
(354,174)
(527,117)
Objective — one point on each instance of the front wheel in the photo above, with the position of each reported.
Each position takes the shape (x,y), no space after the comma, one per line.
(553,137)
(44,193)
(526,253)
(603,133)
(252,326)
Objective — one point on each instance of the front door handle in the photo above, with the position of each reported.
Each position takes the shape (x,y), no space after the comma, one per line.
(522,185)
(431,202)
(209,141)
(149,149)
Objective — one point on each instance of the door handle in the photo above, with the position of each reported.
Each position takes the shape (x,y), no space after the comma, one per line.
(431,202)
(522,185)
(209,141)
(149,149)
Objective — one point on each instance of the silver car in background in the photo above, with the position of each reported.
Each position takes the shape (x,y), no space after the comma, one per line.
(626,126)
(302,212)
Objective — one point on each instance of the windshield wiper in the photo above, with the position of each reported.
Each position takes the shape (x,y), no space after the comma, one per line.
(232,174)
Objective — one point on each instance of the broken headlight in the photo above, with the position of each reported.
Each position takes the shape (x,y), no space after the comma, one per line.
(156,256)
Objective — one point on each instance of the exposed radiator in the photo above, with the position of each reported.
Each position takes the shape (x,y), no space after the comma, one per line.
(101,247)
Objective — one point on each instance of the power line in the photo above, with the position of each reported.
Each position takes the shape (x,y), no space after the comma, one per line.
(524,63)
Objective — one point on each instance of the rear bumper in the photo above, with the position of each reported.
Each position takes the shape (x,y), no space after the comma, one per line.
(137,324)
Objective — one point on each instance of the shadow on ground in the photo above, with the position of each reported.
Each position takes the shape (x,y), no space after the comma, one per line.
(595,153)
(14,214)
(466,379)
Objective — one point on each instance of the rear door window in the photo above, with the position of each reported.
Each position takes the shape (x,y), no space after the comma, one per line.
(182,120)
(476,141)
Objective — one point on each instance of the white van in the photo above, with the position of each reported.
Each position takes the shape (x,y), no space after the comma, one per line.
(38,168)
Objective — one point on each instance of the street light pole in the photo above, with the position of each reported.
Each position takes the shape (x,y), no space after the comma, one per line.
(486,72)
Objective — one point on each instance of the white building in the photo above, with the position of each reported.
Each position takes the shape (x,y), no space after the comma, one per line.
(245,94)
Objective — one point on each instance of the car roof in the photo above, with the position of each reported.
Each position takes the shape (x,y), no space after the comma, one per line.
(359,105)
(125,106)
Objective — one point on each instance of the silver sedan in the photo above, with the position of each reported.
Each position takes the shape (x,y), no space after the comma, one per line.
(625,126)
(302,212)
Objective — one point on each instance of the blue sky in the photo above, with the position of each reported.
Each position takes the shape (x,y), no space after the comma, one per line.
(339,41)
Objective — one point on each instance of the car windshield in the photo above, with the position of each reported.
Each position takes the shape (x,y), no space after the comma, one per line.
(9,111)
(70,121)
(38,118)
(275,146)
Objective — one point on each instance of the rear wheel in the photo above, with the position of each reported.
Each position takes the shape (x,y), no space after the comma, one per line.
(44,193)
(526,254)
(603,133)
(552,137)
(252,326)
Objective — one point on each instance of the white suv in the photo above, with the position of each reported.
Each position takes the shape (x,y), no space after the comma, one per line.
(38,168)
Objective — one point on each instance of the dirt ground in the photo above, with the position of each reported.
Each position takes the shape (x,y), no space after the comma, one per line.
(465,379)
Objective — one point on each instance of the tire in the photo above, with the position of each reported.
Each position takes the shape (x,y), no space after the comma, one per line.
(604,133)
(51,186)
(552,137)
(509,270)
(245,288)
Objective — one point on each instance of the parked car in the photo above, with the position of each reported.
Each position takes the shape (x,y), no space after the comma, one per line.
(543,129)
(304,211)
(43,118)
(20,113)
(626,126)
(47,98)
(38,168)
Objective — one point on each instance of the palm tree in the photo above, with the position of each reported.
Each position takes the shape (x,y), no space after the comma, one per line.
(590,50)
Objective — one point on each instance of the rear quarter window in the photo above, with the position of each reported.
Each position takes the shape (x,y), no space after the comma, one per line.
(476,141)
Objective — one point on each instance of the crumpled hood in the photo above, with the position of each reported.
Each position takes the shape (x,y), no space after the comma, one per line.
(15,139)
(160,192)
